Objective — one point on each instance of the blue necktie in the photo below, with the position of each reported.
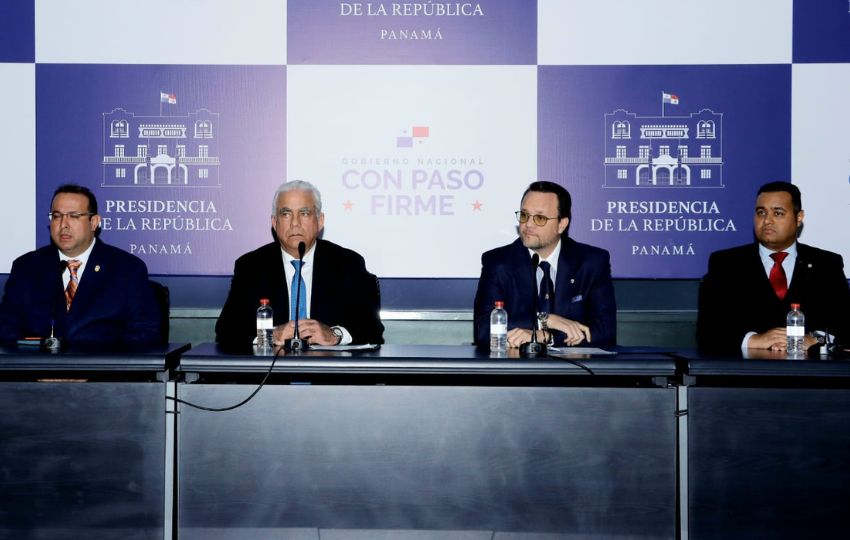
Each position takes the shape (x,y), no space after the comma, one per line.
(546,297)
(302,305)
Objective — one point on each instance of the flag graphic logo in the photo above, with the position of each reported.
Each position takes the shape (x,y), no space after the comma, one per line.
(417,133)
(672,99)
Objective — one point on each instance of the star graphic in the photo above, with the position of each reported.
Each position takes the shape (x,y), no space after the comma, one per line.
(348,205)
(476,206)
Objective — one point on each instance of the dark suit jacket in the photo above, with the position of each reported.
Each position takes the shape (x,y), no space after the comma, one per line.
(114,305)
(344,294)
(736,296)
(584,291)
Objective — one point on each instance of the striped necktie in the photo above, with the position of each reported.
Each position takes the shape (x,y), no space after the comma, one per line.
(73,283)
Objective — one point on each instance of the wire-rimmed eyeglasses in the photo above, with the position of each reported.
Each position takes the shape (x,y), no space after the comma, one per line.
(73,216)
(539,219)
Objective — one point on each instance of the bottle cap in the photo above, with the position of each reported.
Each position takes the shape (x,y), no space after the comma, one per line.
(500,304)
(795,307)
(264,301)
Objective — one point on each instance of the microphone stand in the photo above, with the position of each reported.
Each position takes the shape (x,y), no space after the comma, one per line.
(533,348)
(296,343)
(53,343)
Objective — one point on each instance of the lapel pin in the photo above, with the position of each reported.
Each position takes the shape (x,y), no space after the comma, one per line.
(97,268)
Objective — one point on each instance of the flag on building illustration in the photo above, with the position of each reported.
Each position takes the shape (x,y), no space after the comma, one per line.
(672,99)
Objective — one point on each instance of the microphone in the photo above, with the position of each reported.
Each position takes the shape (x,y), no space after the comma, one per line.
(53,343)
(296,343)
(533,348)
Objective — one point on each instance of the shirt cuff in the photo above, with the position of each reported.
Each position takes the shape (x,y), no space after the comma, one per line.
(745,343)
(346,336)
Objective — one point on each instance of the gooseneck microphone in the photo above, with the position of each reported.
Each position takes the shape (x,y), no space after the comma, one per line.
(53,343)
(533,348)
(296,343)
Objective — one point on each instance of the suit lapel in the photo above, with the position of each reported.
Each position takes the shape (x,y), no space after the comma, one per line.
(96,270)
(525,279)
(319,293)
(566,268)
(278,286)
(755,268)
(50,274)
(803,268)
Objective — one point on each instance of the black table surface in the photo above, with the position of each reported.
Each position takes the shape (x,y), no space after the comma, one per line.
(34,359)
(432,359)
(755,362)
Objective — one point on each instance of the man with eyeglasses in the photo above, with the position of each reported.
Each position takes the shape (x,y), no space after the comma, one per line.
(340,300)
(575,293)
(79,289)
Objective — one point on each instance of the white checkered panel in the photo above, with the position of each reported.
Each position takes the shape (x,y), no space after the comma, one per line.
(456,185)
(17,152)
(160,32)
(820,159)
(652,32)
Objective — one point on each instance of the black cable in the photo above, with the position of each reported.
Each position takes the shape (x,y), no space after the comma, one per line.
(236,406)
(576,363)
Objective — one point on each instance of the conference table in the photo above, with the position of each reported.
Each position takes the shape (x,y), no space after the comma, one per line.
(83,443)
(426,442)
(768,446)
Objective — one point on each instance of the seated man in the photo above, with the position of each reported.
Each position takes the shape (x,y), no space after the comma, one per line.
(580,298)
(748,290)
(340,300)
(84,291)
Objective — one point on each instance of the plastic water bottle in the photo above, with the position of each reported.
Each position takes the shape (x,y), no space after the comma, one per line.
(499,328)
(265,325)
(795,331)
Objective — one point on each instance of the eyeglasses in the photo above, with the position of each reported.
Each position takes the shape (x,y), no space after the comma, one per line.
(73,216)
(286,213)
(539,219)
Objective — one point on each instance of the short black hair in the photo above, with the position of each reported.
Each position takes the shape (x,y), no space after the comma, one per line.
(565,202)
(787,187)
(79,190)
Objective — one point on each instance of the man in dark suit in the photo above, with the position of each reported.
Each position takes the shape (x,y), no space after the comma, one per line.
(82,290)
(748,290)
(582,309)
(340,301)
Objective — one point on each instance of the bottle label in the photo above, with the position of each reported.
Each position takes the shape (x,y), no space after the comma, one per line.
(265,324)
(498,328)
(795,331)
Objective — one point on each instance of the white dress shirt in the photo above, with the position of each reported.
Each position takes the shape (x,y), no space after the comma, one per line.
(82,257)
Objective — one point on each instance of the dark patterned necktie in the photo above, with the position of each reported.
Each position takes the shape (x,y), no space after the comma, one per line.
(546,298)
(73,283)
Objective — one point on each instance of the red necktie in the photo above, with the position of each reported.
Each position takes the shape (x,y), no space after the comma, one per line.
(71,289)
(777,274)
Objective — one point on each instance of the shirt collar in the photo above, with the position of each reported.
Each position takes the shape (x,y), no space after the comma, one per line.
(552,259)
(82,257)
(765,252)
(308,256)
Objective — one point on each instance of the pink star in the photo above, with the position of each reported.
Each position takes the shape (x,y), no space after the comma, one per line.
(476,206)
(348,205)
